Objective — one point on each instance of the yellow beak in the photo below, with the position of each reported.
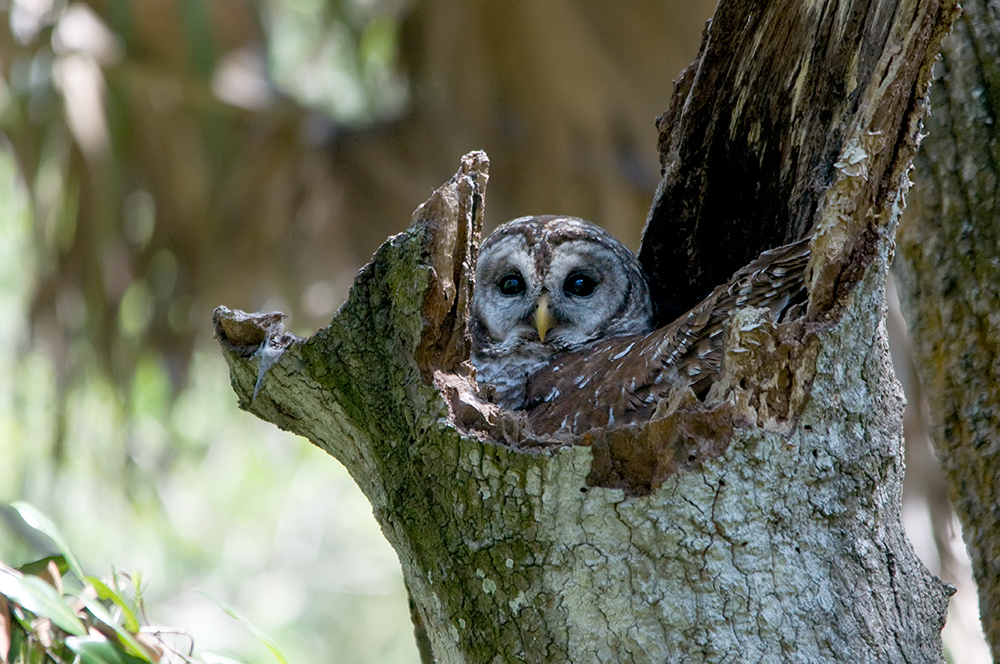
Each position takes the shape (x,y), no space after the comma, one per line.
(543,321)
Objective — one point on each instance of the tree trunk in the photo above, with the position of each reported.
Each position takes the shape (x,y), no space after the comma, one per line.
(949,284)
(785,542)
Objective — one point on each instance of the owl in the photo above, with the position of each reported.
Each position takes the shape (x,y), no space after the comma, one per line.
(547,286)
(561,324)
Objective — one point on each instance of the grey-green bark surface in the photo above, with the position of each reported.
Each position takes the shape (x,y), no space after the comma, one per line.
(948,275)
(784,545)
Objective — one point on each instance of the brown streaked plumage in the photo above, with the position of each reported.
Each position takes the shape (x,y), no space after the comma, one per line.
(614,382)
(577,356)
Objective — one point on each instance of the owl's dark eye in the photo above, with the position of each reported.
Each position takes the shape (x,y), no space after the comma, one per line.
(511,284)
(579,284)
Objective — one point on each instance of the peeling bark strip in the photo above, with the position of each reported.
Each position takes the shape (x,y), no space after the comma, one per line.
(948,277)
(782,540)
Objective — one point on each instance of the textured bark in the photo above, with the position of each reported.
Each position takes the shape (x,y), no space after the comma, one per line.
(784,544)
(948,275)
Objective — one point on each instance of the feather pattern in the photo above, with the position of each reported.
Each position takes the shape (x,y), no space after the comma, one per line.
(631,374)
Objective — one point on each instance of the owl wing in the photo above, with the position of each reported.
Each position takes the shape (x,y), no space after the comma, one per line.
(620,380)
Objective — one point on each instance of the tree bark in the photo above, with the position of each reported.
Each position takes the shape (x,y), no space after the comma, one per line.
(783,544)
(948,275)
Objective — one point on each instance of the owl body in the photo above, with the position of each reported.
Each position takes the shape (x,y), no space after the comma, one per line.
(547,286)
(577,356)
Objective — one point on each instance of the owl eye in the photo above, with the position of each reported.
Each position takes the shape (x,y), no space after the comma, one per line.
(511,284)
(579,284)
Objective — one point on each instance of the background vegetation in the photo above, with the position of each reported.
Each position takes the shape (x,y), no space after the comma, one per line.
(162,161)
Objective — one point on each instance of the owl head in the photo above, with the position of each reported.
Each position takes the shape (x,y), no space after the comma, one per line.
(549,285)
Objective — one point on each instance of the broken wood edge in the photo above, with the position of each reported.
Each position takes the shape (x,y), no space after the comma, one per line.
(453,219)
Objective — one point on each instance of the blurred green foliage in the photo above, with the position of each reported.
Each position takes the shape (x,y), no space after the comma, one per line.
(149,135)
(192,492)
(338,56)
(51,611)
(116,417)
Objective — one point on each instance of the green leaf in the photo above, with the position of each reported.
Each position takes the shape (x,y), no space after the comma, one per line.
(37,567)
(104,591)
(19,648)
(264,638)
(34,518)
(126,635)
(39,598)
(95,649)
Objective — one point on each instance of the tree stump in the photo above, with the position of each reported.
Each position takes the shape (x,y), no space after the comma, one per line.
(785,542)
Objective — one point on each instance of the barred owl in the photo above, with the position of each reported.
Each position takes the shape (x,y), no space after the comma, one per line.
(547,286)
(561,324)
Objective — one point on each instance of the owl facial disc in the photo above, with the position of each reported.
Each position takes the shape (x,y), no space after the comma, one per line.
(546,286)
